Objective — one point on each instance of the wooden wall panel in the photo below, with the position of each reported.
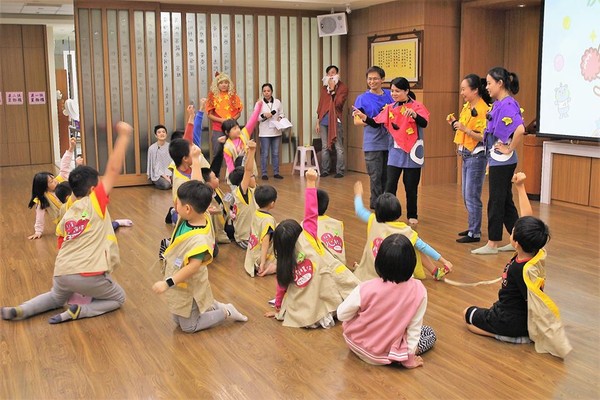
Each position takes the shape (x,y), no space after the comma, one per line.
(34,36)
(4,150)
(11,36)
(440,22)
(567,186)
(594,200)
(16,115)
(38,117)
(438,170)
(521,55)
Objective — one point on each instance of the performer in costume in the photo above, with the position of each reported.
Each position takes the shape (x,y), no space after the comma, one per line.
(469,130)
(223,103)
(503,134)
(405,120)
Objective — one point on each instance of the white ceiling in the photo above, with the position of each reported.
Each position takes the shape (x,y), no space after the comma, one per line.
(65,7)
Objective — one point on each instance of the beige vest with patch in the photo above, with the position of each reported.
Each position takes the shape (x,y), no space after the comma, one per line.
(320,284)
(331,233)
(90,244)
(261,224)
(377,232)
(244,212)
(180,297)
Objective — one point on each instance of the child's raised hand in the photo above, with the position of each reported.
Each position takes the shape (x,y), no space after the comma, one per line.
(201,104)
(311,175)
(124,129)
(72,144)
(160,287)
(195,152)
(191,110)
(252,144)
(358,189)
(519,178)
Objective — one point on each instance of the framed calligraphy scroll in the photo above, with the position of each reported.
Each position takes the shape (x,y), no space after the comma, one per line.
(399,54)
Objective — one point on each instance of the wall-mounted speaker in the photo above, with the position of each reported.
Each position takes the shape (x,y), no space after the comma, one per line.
(332,24)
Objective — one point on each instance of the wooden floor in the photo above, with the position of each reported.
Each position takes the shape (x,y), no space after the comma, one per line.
(137,352)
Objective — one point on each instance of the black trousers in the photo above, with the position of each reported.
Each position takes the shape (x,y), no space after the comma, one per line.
(501,208)
(411,179)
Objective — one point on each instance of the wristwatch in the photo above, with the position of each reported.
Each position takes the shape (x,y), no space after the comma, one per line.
(170,282)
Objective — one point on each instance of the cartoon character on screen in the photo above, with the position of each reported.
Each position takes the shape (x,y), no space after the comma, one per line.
(562,98)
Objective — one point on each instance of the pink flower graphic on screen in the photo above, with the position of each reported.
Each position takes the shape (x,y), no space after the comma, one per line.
(590,64)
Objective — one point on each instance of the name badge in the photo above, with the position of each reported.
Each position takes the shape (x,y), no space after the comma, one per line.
(178,263)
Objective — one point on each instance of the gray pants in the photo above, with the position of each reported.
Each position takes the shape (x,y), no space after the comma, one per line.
(340,165)
(198,321)
(376,162)
(162,183)
(106,295)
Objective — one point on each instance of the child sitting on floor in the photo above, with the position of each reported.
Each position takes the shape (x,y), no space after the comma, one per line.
(244,205)
(260,259)
(88,250)
(523,310)
(42,192)
(311,283)
(383,317)
(186,284)
(383,223)
(219,208)
(330,230)
(234,149)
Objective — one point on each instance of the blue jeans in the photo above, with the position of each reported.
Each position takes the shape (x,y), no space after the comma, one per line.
(267,143)
(473,175)
(340,165)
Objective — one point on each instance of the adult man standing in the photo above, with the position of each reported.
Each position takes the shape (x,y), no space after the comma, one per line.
(159,159)
(333,96)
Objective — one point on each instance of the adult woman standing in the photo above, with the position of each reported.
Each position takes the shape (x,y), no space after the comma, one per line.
(223,103)
(405,119)
(469,128)
(503,134)
(375,136)
(270,136)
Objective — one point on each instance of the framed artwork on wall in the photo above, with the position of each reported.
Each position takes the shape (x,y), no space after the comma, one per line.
(399,54)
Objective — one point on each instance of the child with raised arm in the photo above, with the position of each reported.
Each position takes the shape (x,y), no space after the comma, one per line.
(384,222)
(88,250)
(330,230)
(42,192)
(523,310)
(186,284)
(244,204)
(311,283)
(234,149)
(383,317)
(219,207)
(260,258)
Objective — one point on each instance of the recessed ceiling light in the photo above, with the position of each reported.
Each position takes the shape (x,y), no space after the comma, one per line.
(521,5)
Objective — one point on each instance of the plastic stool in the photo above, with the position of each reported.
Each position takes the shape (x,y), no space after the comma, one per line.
(305,158)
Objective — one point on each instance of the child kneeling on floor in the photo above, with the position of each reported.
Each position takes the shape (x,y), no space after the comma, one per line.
(186,284)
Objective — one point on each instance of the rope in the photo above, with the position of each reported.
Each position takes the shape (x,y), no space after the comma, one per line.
(463,284)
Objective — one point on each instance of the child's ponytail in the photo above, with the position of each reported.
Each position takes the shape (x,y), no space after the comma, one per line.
(284,242)
(39,189)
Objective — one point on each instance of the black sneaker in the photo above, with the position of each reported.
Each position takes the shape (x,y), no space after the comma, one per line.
(169,217)
(464,233)
(277,176)
(468,239)
(338,176)
(265,178)
(324,174)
